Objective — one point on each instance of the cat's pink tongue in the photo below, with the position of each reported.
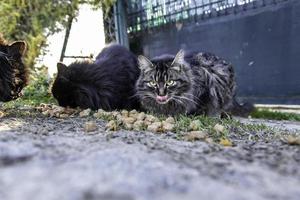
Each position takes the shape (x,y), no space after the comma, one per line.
(161,98)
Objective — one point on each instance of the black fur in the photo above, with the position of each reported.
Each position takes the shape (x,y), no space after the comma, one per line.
(107,84)
(13,73)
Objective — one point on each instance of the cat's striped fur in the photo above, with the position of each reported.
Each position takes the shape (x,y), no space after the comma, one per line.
(188,83)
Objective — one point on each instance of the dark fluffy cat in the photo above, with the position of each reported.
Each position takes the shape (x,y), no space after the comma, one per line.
(193,83)
(108,83)
(13,73)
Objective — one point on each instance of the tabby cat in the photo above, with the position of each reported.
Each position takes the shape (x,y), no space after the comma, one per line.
(192,83)
(13,73)
(108,83)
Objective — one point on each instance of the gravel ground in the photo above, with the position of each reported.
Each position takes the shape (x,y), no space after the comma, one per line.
(48,159)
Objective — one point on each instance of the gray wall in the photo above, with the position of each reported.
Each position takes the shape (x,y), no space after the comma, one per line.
(263,44)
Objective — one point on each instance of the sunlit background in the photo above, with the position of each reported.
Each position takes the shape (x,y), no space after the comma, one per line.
(86,38)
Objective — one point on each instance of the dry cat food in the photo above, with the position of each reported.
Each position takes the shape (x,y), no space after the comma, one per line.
(134,120)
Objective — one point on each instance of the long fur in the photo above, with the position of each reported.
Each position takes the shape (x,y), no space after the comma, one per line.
(108,83)
(204,84)
(13,73)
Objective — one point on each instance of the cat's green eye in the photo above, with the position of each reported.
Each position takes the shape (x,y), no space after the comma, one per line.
(171,83)
(151,84)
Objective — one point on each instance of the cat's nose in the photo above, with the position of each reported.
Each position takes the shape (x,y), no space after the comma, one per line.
(161,91)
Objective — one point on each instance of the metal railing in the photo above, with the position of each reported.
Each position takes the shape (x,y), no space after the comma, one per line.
(145,14)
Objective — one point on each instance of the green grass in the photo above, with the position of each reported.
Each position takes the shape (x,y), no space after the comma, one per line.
(275,115)
(207,124)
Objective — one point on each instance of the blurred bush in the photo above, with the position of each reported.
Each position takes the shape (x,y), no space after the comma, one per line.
(35,20)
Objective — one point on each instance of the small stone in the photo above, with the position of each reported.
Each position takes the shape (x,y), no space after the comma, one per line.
(90,126)
(195,135)
(195,125)
(166,126)
(128,120)
(111,125)
(219,128)
(154,127)
(170,120)
(225,142)
(85,113)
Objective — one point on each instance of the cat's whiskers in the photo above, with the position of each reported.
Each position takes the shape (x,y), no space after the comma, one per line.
(177,100)
(187,99)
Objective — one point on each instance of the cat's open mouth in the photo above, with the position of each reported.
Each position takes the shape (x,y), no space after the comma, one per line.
(162,99)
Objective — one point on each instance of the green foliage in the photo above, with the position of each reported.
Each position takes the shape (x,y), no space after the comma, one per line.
(275,115)
(38,91)
(34,20)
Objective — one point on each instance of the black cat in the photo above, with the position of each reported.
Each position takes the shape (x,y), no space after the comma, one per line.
(188,83)
(108,83)
(13,73)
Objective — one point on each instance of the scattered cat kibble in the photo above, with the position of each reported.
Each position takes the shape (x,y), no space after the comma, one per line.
(195,125)
(133,113)
(129,120)
(57,109)
(293,140)
(151,118)
(125,113)
(140,116)
(166,126)
(128,126)
(219,128)
(90,126)
(225,142)
(195,135)
(170,120)
(2,114)
(63,116)
(85,113)
(111,125)
(154,127)
(138,125)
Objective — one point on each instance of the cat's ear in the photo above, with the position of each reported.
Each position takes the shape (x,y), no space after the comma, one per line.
(178,61)
(61,68)
(144,63)
(18,47)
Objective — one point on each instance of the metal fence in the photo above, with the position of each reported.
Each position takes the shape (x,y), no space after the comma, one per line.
(147,14)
